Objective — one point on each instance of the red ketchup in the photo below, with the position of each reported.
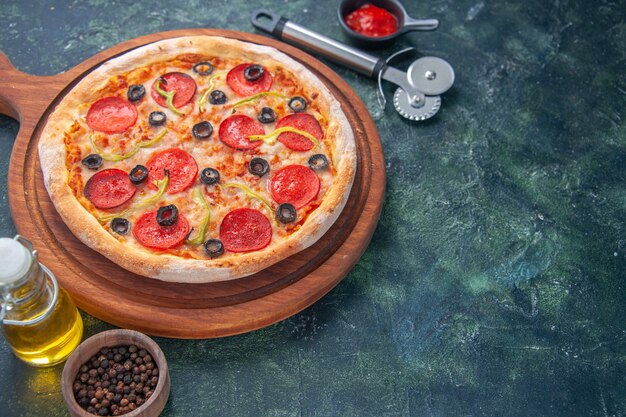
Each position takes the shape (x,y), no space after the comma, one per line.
(373,21)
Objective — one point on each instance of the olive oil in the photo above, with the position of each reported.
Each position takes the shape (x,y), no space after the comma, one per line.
(39,320)
(50,341)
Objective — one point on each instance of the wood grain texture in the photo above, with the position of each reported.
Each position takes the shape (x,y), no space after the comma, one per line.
(174,309)
(112,338)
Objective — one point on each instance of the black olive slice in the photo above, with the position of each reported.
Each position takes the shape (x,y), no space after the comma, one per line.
(213,248)
(253,72)
(297,104)
(318,162)
(120,226)
(286,213)
(157,118)
(203,68)
(266,115)
(258,167)
(210,176)
(136,92)
(217,97)
(138,174)
(92,161)
(167,215)
(202,130)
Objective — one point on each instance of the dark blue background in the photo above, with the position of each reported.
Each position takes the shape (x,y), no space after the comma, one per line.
(494,284)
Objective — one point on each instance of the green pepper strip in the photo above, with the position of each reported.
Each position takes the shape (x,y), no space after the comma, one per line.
(117,157)
(256,97)
(204,96)
(202,100)
(168,96)
(161,184)
(250,193)
(271,138)
(199,198)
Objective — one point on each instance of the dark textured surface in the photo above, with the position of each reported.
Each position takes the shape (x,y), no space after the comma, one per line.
(494,285)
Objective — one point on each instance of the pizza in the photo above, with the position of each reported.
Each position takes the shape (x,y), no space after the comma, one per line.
(198,159)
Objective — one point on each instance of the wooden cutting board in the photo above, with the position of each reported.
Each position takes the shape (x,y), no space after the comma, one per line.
(117,296)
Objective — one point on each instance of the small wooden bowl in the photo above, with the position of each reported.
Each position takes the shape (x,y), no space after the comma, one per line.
(153,406)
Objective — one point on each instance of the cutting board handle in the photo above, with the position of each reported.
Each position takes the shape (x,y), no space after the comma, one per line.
(23,96)
(7,86)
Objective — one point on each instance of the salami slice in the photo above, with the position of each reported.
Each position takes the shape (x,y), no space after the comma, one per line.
(111,115)
(109,188)
(245,230)
(183,84)
(151,234)
(237,81)
(300,121)
(295,184)
(234,132)
(182,168)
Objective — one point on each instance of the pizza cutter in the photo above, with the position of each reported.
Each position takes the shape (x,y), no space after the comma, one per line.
(419,87)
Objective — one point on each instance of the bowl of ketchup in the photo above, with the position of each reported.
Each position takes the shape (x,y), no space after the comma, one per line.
(377,22)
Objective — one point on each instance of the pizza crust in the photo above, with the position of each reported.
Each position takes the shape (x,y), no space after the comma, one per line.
(166,267)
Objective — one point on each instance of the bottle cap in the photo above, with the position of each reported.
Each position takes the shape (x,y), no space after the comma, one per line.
(15,260)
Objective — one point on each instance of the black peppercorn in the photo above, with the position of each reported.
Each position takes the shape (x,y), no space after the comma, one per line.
(116,381)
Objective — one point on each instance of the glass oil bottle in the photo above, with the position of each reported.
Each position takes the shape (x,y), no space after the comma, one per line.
(39,320)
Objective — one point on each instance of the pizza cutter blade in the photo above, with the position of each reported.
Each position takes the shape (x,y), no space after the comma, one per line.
(431,75)
(424,109)
(417,96)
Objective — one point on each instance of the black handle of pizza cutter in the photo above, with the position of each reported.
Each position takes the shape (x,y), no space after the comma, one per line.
(286,30)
